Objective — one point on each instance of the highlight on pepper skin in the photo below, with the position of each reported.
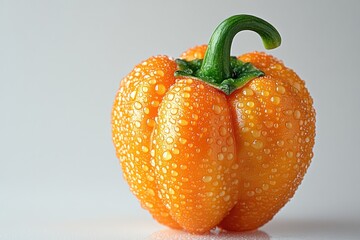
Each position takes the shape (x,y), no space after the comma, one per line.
(211,140)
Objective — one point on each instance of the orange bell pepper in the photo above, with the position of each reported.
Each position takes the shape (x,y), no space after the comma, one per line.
(212,140)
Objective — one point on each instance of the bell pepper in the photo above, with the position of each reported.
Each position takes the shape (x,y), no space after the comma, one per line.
(209,140)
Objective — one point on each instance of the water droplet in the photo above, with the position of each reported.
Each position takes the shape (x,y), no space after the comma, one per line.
(167,156)
(220,156)
(288,112)
(265,93)
(137,105)
(144,149)
(250,193)
(185,95)
(160,89)
(182,140)
(149,205)
(154,103)
(195,116)
(171,191)
(209,194)
(145,89)
(277,67)
(269,124)
(184,179)
(265,165)
(280,89)
(245,129)
(240,105)
(230,156)
(175,151)
(189,81)
(227,198)
(170,96)
(297,86)
(266,150)
(216,109)
(288,125)
(207,179)
(250,104)
(247,92)
(187,89)
(150,192)
(222,131)
(146,110)
(174,173)
(183,167)
(160,73)
(230,141)
(145,168)
(169,140)
(297,114)
(275,100)
(137,124)
(183,122)
(289,154)
(133,94)
(257,144)
(265,186)
(150,122)
(280,143)
(256,133)
(210,140)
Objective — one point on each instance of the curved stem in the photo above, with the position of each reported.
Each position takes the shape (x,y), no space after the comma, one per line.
(216,63)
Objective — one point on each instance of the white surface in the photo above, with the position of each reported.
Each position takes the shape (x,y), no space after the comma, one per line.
(134,229)
(61,63)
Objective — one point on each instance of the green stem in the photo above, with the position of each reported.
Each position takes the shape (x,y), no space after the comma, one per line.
(216,63)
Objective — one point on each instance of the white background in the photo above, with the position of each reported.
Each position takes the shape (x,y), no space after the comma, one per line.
(61,63)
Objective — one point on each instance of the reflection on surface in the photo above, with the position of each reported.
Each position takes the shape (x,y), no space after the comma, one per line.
(331,228)
(300,229)
(214,235)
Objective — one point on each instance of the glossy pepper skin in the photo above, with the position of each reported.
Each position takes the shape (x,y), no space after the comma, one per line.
(199,150)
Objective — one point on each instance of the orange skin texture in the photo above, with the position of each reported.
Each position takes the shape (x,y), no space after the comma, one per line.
(196,158)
